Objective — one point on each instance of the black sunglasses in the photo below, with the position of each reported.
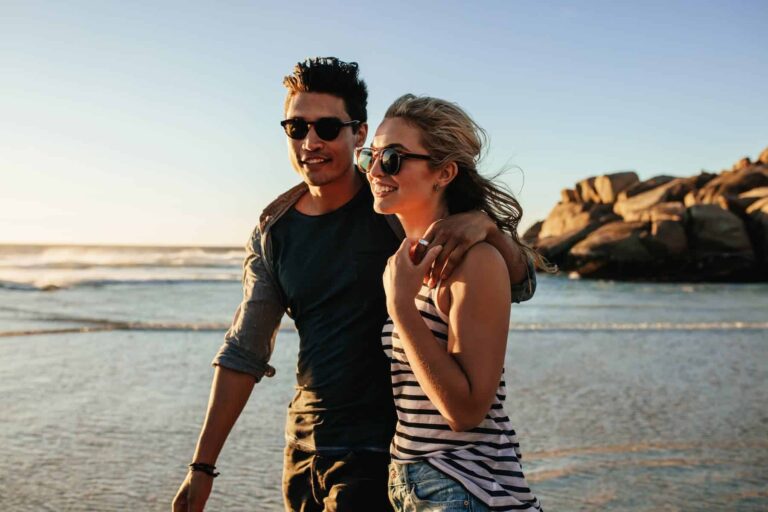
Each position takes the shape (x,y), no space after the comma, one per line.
(390,159)
(327,128)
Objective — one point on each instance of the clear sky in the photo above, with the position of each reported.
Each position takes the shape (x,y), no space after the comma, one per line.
(156,122)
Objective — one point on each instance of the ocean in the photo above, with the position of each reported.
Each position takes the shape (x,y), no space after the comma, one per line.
(625,396)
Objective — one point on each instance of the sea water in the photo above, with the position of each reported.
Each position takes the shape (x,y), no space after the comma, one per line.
(625,396)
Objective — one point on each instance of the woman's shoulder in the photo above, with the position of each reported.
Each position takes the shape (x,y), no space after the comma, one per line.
(481,276)
(482,265)
(482,268)
(482,258)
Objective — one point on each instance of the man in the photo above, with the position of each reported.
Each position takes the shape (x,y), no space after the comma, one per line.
(318,254)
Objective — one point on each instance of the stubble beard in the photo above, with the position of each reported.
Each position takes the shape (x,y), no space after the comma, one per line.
(323,177)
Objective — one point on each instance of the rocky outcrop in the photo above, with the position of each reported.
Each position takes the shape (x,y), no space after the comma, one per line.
(707,227)
(609,186)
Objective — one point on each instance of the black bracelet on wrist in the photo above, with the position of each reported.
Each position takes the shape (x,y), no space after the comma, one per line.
(208,469)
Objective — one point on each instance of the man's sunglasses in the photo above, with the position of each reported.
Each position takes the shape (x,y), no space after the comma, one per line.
(327,128)
(390,159)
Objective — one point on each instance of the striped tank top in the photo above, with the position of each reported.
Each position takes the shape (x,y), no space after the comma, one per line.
(485,459)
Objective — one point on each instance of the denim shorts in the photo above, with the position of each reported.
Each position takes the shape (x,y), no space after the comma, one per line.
(418,487)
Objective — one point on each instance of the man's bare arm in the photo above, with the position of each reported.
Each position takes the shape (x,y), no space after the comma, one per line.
(515,258)
(230,391)
(459,232)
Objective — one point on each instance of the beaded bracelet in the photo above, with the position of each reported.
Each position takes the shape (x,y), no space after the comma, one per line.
(208,469)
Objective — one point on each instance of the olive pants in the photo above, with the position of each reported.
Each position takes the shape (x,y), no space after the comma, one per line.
(345,482)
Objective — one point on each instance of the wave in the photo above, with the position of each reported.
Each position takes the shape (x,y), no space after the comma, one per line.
(54,267)
(600,467)
(12,256)
(64,282)
(590,460)
(10,285)
(639,326)
(104,324)
(81,265)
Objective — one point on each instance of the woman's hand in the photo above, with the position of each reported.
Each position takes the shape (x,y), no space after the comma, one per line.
(403,278)
(456,234)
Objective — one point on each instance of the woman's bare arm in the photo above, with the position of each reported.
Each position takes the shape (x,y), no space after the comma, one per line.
(462,381)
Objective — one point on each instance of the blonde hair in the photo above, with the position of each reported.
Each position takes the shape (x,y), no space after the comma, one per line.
(449,134)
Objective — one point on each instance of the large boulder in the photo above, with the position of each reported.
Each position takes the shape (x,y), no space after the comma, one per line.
(742,164)
(633,207)
(758,227)
(615,241)
(757,193)
(667,233)
(532,233)
(555,248)
(758,206)
(568,217)
(586,190)
(568,195)
(737,204)
(669,239)
(608,186)
(615,249)
(670,210)
(730,184)
(763,159)
(713,230)
(644,186)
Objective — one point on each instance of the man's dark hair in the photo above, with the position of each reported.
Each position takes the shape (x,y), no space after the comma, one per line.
(331,76)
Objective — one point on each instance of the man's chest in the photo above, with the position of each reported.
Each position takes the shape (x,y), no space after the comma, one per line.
(331,264)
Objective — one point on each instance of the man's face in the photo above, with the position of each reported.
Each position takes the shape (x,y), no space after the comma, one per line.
(322,162)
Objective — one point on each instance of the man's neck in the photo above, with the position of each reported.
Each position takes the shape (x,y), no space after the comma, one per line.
(323,199)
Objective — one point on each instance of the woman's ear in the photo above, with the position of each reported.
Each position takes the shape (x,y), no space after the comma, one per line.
(447,174)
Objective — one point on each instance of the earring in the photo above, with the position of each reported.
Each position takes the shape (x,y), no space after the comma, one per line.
(435,187)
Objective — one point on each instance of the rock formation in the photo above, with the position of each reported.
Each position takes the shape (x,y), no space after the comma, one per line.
(708,227)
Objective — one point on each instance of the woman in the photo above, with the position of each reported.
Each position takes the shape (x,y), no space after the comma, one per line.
(454,447)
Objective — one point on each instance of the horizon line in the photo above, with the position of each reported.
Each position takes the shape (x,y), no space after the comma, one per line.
(119,246)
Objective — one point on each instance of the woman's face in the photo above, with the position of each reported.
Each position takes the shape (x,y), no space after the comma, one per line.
(411,189)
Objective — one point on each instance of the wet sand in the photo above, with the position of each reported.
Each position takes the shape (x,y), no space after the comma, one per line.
(614,420)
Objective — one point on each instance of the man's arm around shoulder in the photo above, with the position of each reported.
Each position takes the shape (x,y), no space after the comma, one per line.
(521,268)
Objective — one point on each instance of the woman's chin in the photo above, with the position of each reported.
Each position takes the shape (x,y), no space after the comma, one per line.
(383,206)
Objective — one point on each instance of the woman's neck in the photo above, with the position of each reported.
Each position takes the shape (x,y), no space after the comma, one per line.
(416,222)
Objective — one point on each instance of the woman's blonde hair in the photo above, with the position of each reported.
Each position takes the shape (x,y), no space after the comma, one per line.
(449,134)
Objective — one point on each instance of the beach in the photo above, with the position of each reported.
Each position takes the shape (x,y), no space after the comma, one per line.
(625,396)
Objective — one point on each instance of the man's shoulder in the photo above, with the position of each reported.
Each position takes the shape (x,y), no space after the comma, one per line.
(281,204)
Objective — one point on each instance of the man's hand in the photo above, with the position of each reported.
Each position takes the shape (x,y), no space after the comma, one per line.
(456,234)
(193,493)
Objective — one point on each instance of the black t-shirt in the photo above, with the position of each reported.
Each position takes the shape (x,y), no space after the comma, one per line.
(330,268)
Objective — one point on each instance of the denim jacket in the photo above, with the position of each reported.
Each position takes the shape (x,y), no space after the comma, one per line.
(250,340)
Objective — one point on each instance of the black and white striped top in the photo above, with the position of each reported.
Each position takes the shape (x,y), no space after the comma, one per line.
(486,459)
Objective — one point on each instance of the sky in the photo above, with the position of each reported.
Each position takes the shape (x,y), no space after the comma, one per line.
(157,122)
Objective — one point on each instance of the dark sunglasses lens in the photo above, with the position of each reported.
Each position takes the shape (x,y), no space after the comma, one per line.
(390,161)
(328,128)
(365,159)
(296,128)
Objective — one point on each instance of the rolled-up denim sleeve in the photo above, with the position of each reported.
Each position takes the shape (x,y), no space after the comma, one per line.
(525,289)
(250,340)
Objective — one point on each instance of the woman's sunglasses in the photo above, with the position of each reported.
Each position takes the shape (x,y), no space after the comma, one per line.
(390,159)
(327,128)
